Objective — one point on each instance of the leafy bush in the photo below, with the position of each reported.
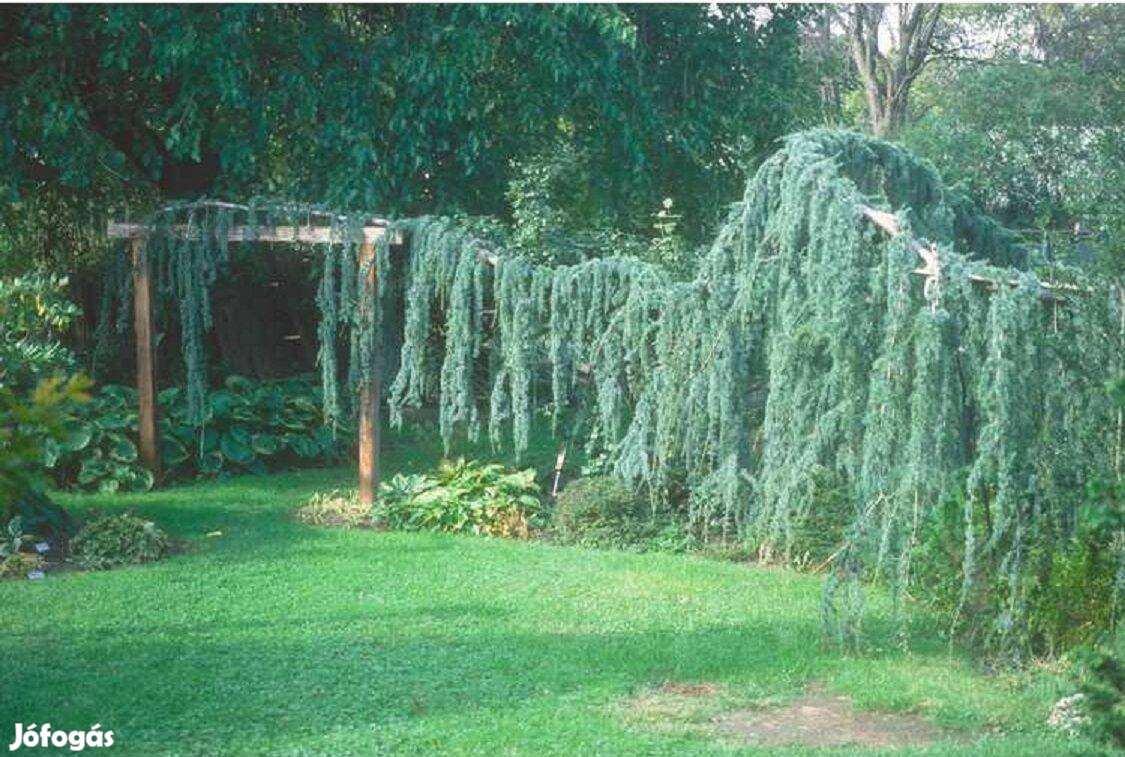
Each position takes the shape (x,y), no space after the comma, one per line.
(251,426)
(97,450)
(41,517)
(335,508)
(460,496)
(599,511)
(1101,681)
(123,539)
(1073,603)
(596,511)
(34,311)
(25,427)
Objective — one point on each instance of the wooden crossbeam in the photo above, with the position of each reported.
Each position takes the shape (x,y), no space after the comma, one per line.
(368,234)
(931,265)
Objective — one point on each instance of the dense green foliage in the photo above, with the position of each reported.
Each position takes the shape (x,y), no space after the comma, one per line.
(106,111)
(248,426)
(98,449)
(595,511)
(1033,131)
(116,539)
(418,642)
(1100,672)
(26,423)
(462,497)
(34,313)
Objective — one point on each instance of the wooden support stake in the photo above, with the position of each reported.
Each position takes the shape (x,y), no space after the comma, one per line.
(369,399)
(560,460)
(143,328)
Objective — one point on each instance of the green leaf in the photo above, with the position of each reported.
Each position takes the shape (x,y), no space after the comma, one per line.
(115,421)
(76,437)
(172,451)
(266,444)
(173,395)
(221,403)
(236,446)
(91,470)
(304,445)
(211,463)
(51,451)
(140,479)
(121,448)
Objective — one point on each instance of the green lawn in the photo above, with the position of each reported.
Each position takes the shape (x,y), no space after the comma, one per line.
(269,636)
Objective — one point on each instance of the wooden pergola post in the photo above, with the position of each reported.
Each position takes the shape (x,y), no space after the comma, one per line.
(143,326)
(369,392)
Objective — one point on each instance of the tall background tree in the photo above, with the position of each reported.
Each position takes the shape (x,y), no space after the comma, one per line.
(595,115)
(1031,126)
(393,109)
(890,47)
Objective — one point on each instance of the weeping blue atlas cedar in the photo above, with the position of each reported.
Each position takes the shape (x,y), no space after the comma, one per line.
(806,342)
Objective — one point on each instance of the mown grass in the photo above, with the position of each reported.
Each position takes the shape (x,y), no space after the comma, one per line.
(267,636)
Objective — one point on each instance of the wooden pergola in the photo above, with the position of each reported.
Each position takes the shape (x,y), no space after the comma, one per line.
(368,421)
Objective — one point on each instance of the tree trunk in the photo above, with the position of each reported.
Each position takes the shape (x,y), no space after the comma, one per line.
(887,75)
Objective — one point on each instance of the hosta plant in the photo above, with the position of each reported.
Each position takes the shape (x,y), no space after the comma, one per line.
(462,497)
(249,426)
(97,449)
(335,508)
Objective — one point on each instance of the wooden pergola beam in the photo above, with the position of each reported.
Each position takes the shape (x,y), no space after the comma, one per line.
(275,234)
(931,264)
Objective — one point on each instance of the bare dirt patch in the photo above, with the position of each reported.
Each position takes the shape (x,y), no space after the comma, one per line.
(818,718)
(815,719)
(690,689)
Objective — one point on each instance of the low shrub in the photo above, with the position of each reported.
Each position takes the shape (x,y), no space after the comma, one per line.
(595,511)
(335,508)
(108,541)
(462,497)
(601,512)
(98,450)
(1100,673)
(42,518)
